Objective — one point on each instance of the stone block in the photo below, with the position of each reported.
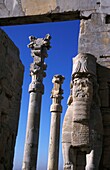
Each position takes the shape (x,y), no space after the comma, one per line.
(18,76)
(80,167)
(10,97)
(105,3)
(3,11)
(106,141)
(80,137)
(12,51)
(9,5)
(107,130)
(41,7)
(81,159)
(5,103)
(106,119)
(104,97)
(50,10)
(106,158)
(97,37)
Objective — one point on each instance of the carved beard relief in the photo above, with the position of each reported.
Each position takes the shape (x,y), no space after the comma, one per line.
(82,99)
(82,89)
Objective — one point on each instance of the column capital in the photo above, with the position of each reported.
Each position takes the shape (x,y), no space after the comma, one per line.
(56,93)
(58,79)
(39,47)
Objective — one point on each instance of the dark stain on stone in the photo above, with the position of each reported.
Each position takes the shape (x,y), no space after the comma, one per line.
(107,19)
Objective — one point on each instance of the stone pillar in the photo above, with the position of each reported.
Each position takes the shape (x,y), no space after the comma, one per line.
(39,47)
(56,110)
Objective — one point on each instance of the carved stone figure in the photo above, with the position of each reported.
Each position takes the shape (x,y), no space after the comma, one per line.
(82,127)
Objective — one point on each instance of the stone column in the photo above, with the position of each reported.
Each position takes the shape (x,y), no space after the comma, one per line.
(56,110)
(39,47)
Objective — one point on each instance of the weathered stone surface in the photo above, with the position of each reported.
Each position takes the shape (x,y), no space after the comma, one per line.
(41,7)
(104,91)
(56,109)
(94,38)
(84,132)
(86,7)
(46,11)
(94,34)
(39,47)
(80,134)
(10,97)
(11,8)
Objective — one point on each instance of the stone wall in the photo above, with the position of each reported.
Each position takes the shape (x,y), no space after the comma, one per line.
(11,79)
(35,11)
(11,8)
(94,38)
(104,92)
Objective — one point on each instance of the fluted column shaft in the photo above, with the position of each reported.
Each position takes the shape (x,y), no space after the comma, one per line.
(39,47)
(56,110)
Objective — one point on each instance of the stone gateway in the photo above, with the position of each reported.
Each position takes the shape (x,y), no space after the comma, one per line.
(82,132)
(90,80)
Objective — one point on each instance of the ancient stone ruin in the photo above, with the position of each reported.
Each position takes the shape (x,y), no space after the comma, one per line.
(11,79)
(55,109)
(39,47)
(82,127)
(89,148)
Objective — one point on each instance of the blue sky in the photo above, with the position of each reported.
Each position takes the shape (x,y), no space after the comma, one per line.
(64,44)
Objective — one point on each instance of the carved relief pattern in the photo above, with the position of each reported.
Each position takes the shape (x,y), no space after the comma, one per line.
(39,47)
(83,115)
(82,89)
(56,93)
